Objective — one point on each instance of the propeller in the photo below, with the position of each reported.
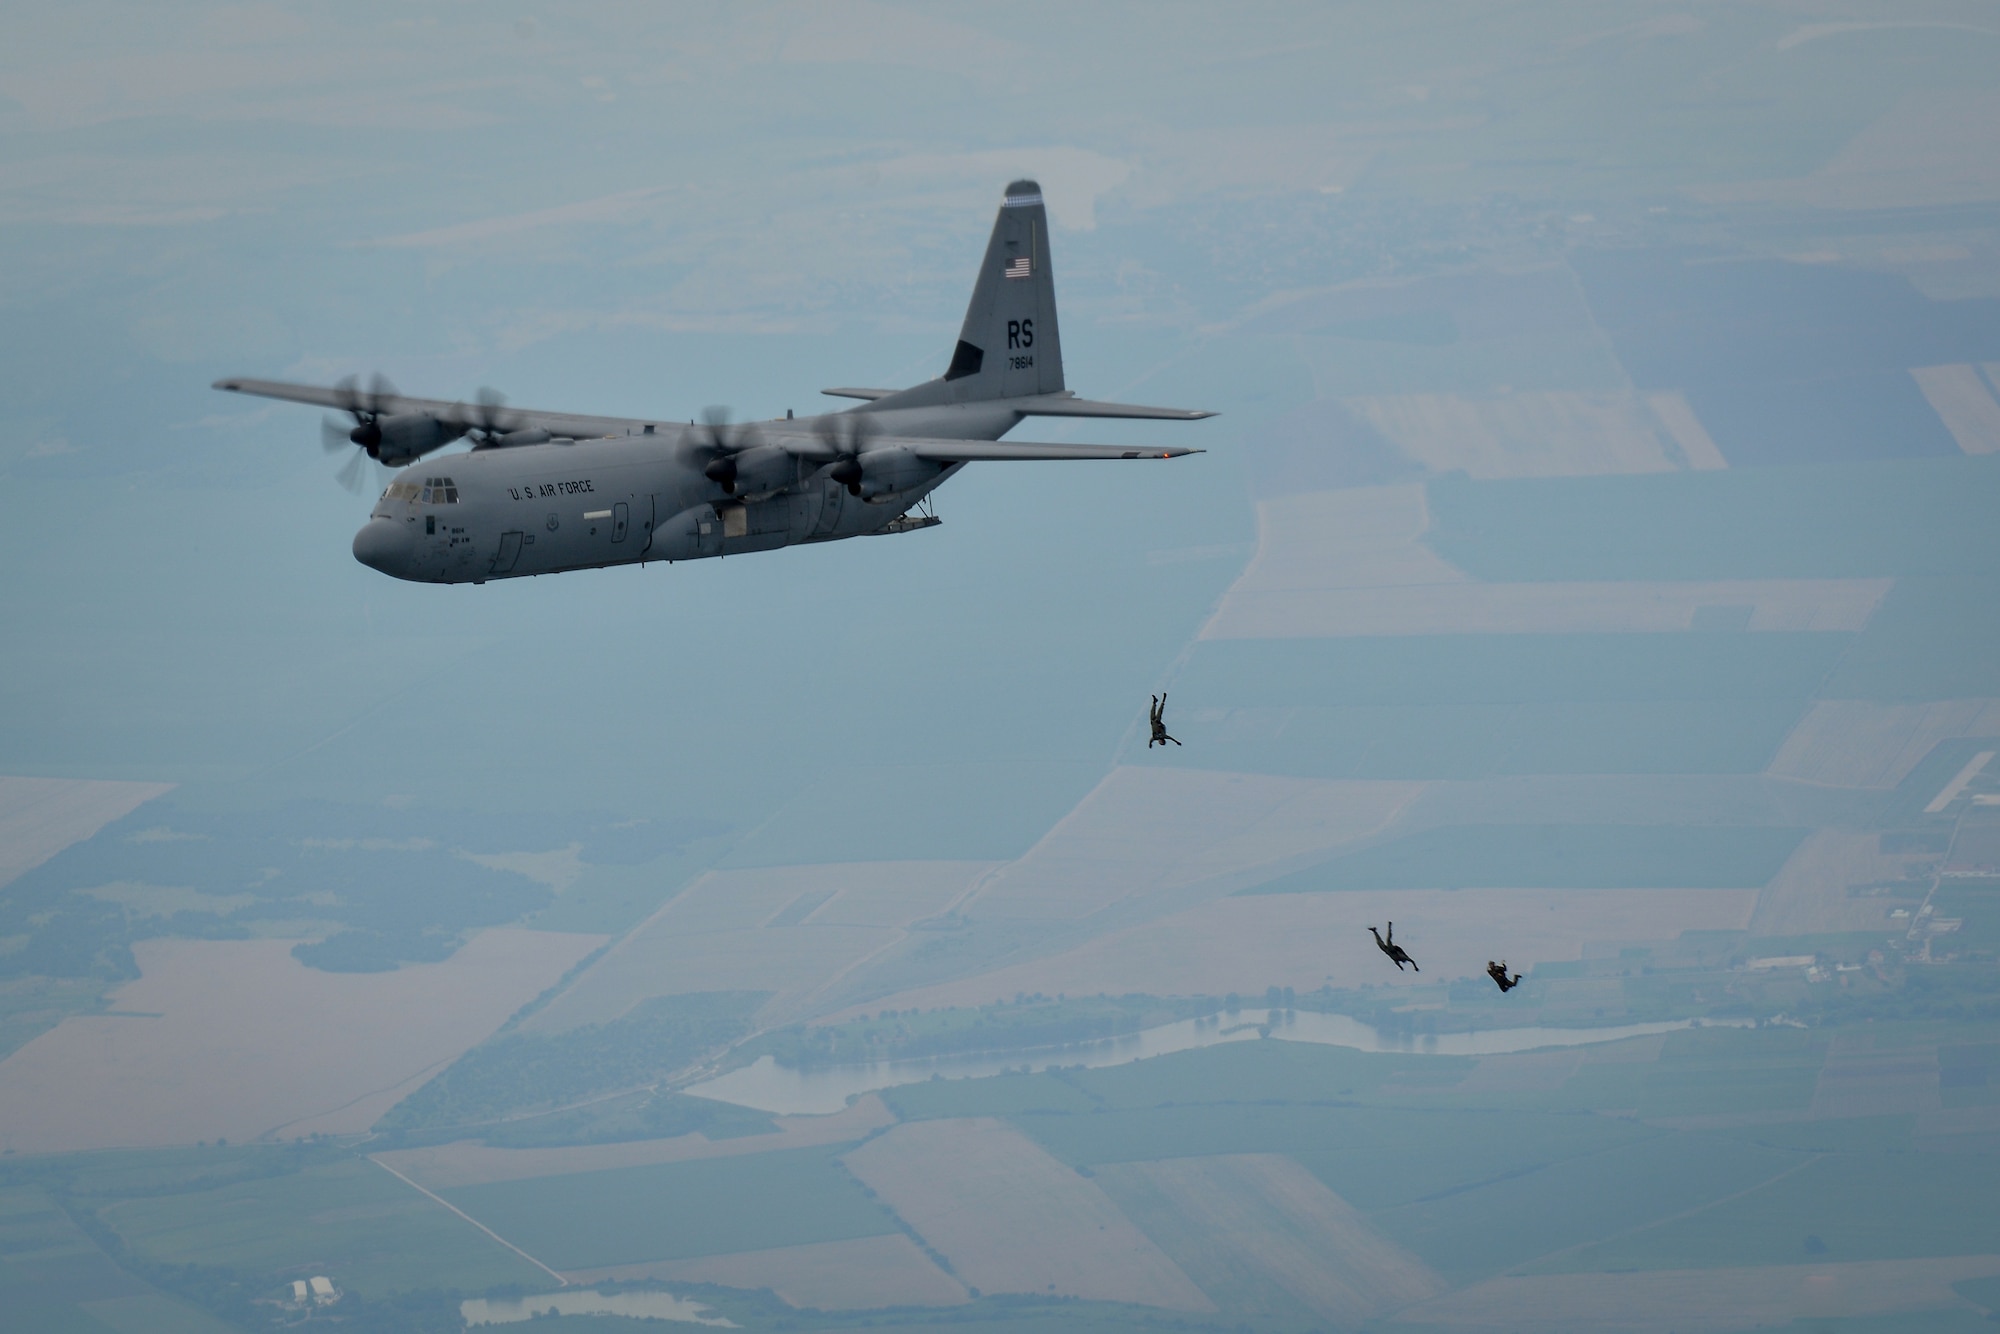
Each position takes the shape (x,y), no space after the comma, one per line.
(723,443)
(367,410)
(847,435)
(488,418)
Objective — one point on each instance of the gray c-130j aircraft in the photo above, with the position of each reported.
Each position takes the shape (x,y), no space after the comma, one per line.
(541,492)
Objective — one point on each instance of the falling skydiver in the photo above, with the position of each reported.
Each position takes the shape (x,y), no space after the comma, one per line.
(1160,737)
(1392,949)
(1498,972)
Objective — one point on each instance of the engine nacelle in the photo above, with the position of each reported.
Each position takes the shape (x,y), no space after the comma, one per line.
(888,472)
(764,468)
(408,438)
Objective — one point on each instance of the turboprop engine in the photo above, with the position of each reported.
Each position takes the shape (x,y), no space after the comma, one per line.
(403,440)
(886,473)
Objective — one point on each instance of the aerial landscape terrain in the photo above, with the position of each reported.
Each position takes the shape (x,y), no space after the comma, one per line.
(1594,566)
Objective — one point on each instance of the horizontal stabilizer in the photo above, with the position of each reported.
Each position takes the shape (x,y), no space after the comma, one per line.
(870,394)
(993,451)
(1068,405)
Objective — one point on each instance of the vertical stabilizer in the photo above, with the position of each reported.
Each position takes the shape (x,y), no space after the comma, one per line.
(1010,345)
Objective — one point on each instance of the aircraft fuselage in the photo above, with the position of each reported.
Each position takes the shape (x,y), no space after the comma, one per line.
(464,518)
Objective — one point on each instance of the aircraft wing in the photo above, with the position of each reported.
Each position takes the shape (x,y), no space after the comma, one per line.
(572,425)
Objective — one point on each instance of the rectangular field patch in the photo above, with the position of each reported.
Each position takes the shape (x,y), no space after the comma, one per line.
(39,817)
(1964,405)
(1147,829)
(1556,433)
(674,1211)
(1012,1219)
(347,1218)
(782,929)
(864,1273)
(1707,1301)
(1497,856)
(1242,1225)
(1414,742)
(297,1050)
(1860,743)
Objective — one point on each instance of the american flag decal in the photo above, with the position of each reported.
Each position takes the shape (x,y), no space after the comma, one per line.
(1018,268)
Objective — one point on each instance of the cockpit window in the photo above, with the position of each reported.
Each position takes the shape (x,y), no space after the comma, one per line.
(434,491)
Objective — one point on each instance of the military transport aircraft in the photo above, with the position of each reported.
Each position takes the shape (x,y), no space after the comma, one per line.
(541,492)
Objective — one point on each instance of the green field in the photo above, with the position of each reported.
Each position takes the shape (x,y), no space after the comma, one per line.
(54,1278)
(348,1219)
(671,1211)
(1373,1157)
(1979,909)
(1706,1072)
(528,1070)
(1486,740)
(1861,1205)
(1508,669)
(1557,857)
(1907,517)
(1004,1095)
(1487,1229)
(1933,638)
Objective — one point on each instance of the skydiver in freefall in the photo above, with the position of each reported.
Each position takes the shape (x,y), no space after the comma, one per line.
(1392,949)
(1160,737)
(1498,972)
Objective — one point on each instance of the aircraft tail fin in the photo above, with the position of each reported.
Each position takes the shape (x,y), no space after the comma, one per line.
(1010,346)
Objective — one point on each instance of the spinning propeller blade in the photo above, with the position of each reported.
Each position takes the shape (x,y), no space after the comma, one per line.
(367,410)
(847,435)
(723,443)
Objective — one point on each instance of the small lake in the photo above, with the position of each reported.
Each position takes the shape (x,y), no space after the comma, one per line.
(582,1301)
(770,1087)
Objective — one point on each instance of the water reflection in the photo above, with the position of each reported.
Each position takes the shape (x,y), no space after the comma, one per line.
(638,1305)
(771,1087)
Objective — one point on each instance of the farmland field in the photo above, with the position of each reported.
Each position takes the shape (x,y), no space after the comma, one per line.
(712,1206)
(1557,857)
(1470,741)
(1918,1205)
(1245,943)
(1708,1301)
(1859,743)
(1518,668)
(469,1163)
(1012,1219)
(1576,1201)
(39,817)
(1250,1227)
(350,1219)
(1144,829)
(54,1278)
(1835,520)
(298,1043)
(863,1273)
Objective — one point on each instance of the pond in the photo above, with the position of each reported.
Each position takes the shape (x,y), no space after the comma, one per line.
(770,1087)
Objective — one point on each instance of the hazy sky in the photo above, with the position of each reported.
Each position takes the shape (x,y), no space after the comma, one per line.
(654,208)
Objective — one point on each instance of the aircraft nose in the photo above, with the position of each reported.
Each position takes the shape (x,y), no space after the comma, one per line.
(383,545)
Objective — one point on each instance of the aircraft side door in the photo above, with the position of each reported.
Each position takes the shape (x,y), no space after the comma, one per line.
(510,551)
